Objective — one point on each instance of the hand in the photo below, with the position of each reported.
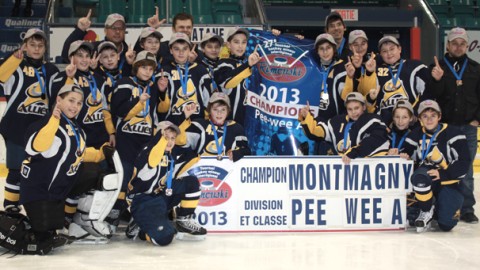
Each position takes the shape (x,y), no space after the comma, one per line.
(94,60)
(230,154)
(434,174)
(130,55)
(356,59)
(162,83)
(393,152)
(112,141)
(84,22)
(301,37)
(19,53)
(474,123)
(192,55)
(404,156)
(56,112)
(437,71)
(346,160)
(155,21)
(371,64)
(304,111)
(350,68)
(254,58)
(189,109)
(144,97)
(276,32)
(71,69)
(374,92)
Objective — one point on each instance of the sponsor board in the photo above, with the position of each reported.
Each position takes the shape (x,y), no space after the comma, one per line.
(302,194)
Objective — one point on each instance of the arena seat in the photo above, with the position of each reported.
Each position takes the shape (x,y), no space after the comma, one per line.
(140,10)
(106,7)
(224,17)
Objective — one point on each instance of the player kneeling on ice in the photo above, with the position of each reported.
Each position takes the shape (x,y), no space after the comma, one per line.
(156,189)
(55,149)
(441,157)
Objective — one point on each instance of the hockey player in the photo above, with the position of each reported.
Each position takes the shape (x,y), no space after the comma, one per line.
(150,40)
(157,188)
(134,103)
(188,82)
(217,136)
(402,123)
(55,148)
(441,156)
(397,79)
(25,77)
(361,66)
(232,73)
(211,45)
(355,134)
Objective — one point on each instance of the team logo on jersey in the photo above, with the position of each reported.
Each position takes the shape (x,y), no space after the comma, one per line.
(281,68)
(215,190)
(33,104)
(392,94)
(139,125)
(341,147)
(184,99)
(94,112)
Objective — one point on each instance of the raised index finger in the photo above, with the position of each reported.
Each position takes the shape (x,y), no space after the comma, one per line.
(372,55)
(437,64)
(89,14)
(156,12)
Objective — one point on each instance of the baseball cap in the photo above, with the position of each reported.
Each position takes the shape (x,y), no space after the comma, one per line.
(80,43)
(457,32)
(112,18)
(179,36)
(428,104)
(355,96)
(34,32)
(403,103)
(356,34)
(210,36)
(326,37)
(219,96)
(167,124)
(332,17)
(148,31)
(386,39)
(145,55)
(237,30)
(106,45)
(70,88)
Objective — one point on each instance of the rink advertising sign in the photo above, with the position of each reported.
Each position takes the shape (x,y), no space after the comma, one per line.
(302,194)
(280,85)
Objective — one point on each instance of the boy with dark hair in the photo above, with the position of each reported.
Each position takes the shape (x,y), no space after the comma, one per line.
(25,77)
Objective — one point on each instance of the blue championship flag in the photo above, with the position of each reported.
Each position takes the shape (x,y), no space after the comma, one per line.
(282,82)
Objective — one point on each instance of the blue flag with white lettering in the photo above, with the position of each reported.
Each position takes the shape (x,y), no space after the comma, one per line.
(280,85)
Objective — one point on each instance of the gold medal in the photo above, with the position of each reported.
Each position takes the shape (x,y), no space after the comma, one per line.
(459,82)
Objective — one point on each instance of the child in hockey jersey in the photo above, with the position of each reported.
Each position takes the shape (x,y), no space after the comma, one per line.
(217,136)
(134,104)
(91,117)
(55,149)
(187,82)
(397,79)
(25,77)
(232,73)
(401,126)
(157,188)
(355,134)
(442,159)
(150,40)
(210,46)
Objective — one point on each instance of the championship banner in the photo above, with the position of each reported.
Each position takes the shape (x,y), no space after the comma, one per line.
(280,85)
(302,194)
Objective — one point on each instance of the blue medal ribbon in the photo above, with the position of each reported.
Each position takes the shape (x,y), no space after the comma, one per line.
(77,134)
(458,76)
(215,135)
(170,175)
(183,79)
(214,84)
(324,72)
(147,103)
(340,49)
(92,84)
(397,75)
(345,134)
(426,150)
(42,81)
(394,139)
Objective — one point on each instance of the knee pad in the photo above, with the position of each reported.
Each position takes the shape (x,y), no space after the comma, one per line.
(94,206)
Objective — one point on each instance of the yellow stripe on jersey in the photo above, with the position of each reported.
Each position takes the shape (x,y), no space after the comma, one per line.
(449,182)
(8,67)
(164,105)
(233,82)
(70,209)
(10,196)
(135,110)
(107,119)
(424,197)
(189,203)
(157,152)
(44,138)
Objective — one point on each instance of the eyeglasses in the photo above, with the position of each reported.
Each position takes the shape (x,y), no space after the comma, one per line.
(116,28)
